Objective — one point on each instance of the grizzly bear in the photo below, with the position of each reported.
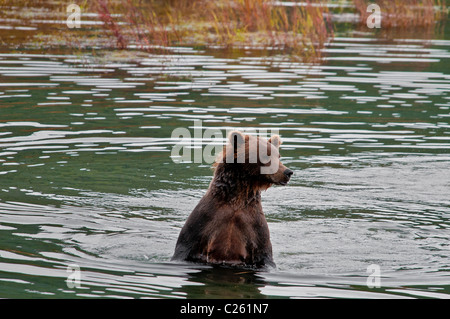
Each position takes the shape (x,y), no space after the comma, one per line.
(228,226)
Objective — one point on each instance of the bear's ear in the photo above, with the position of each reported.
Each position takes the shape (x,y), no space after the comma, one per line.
(275,140)
(236,138)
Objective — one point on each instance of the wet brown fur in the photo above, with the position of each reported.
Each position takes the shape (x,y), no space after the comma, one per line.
(228,225)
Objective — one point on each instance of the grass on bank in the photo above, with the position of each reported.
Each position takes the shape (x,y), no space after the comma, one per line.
(299,29)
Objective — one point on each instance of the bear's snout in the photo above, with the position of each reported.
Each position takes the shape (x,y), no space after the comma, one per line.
(288,173)
(283,176)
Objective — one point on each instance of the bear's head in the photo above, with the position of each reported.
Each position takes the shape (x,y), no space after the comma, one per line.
(254,159)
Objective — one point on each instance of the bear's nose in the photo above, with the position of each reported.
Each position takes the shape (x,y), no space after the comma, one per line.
(288,172)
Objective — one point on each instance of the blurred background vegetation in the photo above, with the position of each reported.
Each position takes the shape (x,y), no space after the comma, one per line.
(298,28)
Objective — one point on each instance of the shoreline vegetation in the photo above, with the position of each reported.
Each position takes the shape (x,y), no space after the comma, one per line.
(259,24)
(299,29)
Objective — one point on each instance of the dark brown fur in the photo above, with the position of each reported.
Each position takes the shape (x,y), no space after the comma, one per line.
(228,225)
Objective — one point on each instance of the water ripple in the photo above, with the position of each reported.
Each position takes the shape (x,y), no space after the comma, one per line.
(87,176)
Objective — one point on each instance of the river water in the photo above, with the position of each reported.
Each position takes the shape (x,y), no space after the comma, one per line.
(89,188)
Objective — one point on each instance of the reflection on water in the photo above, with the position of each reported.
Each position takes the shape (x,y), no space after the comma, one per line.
(87,178)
